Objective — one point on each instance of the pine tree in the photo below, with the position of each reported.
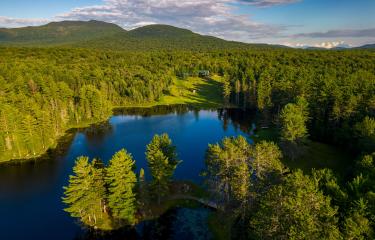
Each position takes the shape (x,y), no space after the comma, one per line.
(121,181)
(162,160)
(79,185)
(294,117)
(86,193)
(264,90)
(226,90)
(228,171)
(97,196)
(294,132)
(296,209)
(267,164)
(143,196)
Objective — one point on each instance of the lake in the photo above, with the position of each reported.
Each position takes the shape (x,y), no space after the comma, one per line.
(30,193)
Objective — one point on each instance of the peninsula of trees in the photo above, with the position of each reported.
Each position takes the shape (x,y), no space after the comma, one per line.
(105,197)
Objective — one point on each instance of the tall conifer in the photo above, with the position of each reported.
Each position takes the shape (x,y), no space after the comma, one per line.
(121,181)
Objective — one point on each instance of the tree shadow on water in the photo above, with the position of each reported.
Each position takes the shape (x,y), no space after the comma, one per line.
(120,234)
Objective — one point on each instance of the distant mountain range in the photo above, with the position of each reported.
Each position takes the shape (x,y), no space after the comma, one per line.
(368,46)
(97,34)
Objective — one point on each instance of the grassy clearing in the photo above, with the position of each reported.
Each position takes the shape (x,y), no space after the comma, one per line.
(195,91)
(319,155)
(267,134)
(316,155)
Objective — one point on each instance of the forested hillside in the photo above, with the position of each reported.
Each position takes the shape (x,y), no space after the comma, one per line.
(102,35)
(57,33)
(43,92)
(46,91)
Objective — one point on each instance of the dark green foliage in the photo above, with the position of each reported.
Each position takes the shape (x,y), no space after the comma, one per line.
(294,132)
(267,166)
(237,172)
(97,195)
(43,92)
(58,88)
(328,183)
(57,33)
(121,182)
(228,169)
(294,118)
(357,227)
(162,160)
(365,132)
(86,193)
(96,34)
(295,209)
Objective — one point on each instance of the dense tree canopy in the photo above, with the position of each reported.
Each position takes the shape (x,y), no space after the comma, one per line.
(162,160)
(295,209)
(121,181)
(46,91)
(101,196)
(294,119)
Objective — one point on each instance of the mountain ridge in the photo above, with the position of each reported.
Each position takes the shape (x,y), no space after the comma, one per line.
(98,34)
(58,32)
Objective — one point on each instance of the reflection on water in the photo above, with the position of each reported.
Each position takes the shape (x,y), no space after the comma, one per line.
(178,224)
(30,193)
(175,224)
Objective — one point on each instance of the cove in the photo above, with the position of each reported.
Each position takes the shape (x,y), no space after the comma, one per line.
(30,193)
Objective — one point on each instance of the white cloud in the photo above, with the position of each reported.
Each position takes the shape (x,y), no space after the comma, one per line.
(203,16)
(326,44)
(268,3)
(210,17)
(331,44)
(20,22)
(339,33)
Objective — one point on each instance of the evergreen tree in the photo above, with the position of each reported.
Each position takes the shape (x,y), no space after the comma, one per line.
(294,117)
(357,227)
(121,181)
(264,91)
(295,209)
(79,186)
(85,195)
(267,166)
(226,90)
(228,172)
(365,132)
(162,161)
(97,196)
(142,185)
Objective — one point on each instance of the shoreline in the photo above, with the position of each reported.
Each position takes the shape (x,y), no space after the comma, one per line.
(62,139)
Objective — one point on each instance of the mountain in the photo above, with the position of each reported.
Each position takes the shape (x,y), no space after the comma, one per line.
(161,31)
(102,35)
(368,46)
(59,32)
(156,37)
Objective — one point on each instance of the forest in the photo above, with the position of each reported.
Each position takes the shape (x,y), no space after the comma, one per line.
(76,87)
(326,96)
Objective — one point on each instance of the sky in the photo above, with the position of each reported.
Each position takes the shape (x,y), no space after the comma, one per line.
(296,23)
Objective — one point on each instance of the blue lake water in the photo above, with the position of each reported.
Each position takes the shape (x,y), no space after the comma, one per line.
(30,194)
